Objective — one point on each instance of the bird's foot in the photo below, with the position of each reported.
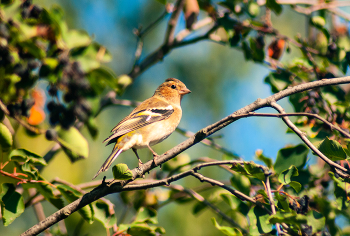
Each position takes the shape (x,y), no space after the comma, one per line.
(140,163)
(156,161)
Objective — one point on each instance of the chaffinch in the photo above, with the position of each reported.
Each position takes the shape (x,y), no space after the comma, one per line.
(149,123)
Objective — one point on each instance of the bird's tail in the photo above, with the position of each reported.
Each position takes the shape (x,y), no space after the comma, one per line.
(109,161)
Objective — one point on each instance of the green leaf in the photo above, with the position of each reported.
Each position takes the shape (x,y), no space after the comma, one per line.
(296,186)
(318,21)
(227,230)
(316,220)
(253,9)
(278,80)
(288,218)
(241,183)
(250,169)
(77,38)
(285,176)
(121,171)
(90,57)
(145,230)
(258,221)
(123,82)
(257,50)
(29,170)
(73,143)
(12,204)
(23,155)
(289,156)
(101,78)
(198,207)
(92,127)
(146,215)
(340,192)
(261,157)
(332,149)
(274,6)
(5,138)
(103,214)
(45,190)
(282,202)
(71,195)
(231,200)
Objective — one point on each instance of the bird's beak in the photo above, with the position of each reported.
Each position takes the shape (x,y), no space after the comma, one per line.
(184,91)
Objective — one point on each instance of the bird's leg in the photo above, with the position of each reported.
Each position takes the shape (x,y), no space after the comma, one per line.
(140,162)
(135,151)
(155,155)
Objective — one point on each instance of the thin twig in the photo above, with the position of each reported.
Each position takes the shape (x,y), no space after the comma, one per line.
(332,126)
(272,203)
(201,199)
(170,31)
(303,137)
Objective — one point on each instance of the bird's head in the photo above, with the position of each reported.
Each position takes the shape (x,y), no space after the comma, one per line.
(172,89)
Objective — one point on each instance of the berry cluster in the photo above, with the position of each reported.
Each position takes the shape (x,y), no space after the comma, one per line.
(77,88)
(22,108)
(28,10)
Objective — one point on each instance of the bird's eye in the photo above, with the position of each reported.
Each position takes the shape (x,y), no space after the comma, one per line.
(173,86)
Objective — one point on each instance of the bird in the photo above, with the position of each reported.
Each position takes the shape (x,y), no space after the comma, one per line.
(149,123)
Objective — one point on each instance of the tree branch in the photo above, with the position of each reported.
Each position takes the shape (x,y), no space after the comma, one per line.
(103,189)
(170,31)
(201,199)
(303,137)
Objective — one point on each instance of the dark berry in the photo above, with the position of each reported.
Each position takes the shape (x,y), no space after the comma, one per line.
(68,118)
(35,12)
(51,134)
(53,90)
(26,105)
(307,229)
(339,119)
(51,106)
(26,4)
(80,113)
(311,102)
(14,109)
(64,60)
(68,97)
(315,110)
(54,118)
(33,64)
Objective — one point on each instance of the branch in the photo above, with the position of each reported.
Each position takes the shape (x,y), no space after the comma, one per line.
(303,137)
(201,199)
(272,203)
(170,31)
(343,132)
(103,190)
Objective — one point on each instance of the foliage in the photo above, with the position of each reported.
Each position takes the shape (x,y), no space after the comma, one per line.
(287,193)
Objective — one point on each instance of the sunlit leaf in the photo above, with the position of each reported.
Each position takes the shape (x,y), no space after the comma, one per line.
(258,221)
(71,195)
(12,205)
(286,176)
(73,143)
(23,155)
(289,156)
(122,172)
(332,149)
(227,230)
(5,137)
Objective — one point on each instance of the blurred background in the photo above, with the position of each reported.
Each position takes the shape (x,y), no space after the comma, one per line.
(221,82)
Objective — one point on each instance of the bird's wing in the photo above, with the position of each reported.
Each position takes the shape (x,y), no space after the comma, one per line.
(158,110)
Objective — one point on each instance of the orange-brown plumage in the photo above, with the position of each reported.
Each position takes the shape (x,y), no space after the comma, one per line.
(149,123)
